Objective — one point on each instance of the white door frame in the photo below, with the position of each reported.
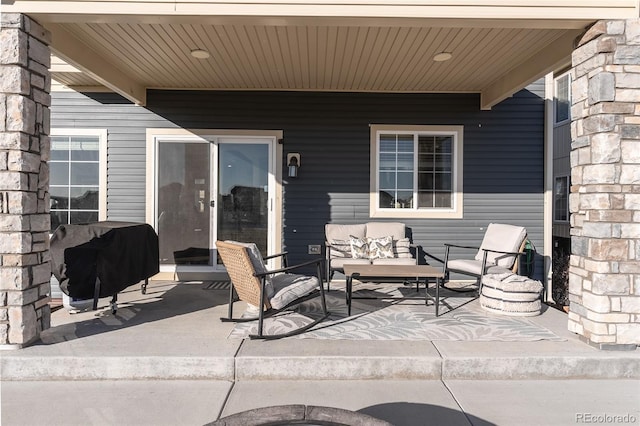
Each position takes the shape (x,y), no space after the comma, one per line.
(271,181)
(274,243)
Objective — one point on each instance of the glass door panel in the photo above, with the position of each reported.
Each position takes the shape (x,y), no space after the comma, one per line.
(243,192)
(184,214)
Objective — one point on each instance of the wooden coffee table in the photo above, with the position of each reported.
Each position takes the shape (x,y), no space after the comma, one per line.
(379,272)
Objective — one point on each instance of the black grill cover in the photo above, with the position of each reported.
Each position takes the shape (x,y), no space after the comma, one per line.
(120,254)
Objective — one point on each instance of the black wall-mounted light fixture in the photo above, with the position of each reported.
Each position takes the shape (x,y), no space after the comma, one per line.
(293,163)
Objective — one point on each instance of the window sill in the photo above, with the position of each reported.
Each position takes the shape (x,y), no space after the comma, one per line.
(413,214)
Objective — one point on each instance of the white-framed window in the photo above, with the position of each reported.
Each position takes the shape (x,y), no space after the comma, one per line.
(416,171)
(77,176)
(561,199)
(562,98)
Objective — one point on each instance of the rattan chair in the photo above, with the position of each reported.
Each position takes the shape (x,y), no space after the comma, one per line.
(269,291)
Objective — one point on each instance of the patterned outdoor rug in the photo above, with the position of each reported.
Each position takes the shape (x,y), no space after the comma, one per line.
(461,318)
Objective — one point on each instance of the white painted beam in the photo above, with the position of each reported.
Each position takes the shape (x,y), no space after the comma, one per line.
(441,9)
(551,58)
(80,56)
(547,232)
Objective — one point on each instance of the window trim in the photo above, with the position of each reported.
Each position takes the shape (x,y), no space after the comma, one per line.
(556,79)
(568,192)
(456,211)
(102,161)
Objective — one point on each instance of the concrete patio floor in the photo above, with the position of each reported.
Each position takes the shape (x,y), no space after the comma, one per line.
(164,358)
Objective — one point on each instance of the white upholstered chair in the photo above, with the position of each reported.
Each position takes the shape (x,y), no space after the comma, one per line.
(499,252)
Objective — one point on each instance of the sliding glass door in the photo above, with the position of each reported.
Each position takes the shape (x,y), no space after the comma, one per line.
(212,188)
(243,191)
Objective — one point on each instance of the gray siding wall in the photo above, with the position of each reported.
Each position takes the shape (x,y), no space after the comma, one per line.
(126,126)
(503,153)
(562,167)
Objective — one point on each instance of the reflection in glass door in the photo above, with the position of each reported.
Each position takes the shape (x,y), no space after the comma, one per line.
(183,213)
(208,190)
(243,191)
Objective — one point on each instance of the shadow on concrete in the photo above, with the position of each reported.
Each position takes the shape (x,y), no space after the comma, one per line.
(163,300)
(411,414)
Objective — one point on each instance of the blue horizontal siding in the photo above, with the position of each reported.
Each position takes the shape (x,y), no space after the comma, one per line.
(503,152)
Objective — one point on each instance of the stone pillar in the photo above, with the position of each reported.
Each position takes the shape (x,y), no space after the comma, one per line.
(25,272)
(604,276)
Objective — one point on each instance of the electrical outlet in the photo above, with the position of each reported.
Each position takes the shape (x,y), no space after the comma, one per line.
(314,249)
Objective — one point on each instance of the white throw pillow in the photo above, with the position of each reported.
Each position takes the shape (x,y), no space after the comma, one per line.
(359,248)
(340,248)
(402,248)
(381,248)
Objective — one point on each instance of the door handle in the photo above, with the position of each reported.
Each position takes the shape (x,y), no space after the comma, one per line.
(212,203)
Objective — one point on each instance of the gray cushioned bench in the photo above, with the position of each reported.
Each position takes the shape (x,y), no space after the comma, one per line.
(339,252)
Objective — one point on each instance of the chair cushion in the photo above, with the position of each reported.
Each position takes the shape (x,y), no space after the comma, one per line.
(474,267)
(501,237)
(359,248)
(340,248)
(258,263)
(334,231)
(381,248)
(289,287)
(511,283)
(338,263)
(382,229)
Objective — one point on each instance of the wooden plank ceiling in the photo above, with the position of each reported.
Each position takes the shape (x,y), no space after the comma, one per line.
(497,46)
(330,58)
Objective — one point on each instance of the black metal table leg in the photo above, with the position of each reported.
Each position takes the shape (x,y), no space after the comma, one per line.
(349,285)
(114,303)
(96,294)
(426,291)
(437,295)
